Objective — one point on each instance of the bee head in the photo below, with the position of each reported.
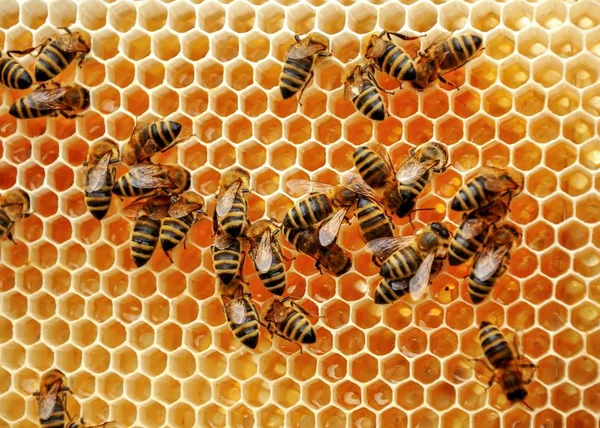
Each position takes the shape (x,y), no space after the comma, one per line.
(345,196)
(441,230)
(182,178)
(516,396)
(435,151)
(129,155)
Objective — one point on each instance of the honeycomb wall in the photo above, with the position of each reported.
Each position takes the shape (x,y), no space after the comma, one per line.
(149,347)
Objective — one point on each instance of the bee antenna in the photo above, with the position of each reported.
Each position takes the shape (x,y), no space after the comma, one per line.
(527,405)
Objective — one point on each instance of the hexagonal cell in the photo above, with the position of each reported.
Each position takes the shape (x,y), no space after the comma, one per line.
(557,209)
(500,44)
(587,209)
(575,181)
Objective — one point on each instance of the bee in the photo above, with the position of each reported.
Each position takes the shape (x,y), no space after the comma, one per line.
(408,262)
(373,222)
(361,87)
(52,399)
(231,211)
(14,205)
(333,258)
(474,230)
(183,214)
(147,139)
(148,212)
(445,56)
(100,176)
(12,74)
(68,101)
(298,65)
(228,258)
(502,362)
(490,183)
(290,322)
(267,256)
(390,58)
(492,261)
(82,424)
(146,178)
(243,316)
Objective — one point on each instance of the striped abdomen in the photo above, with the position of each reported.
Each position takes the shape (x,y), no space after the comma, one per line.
(274,278)
(173,231)
(163,133)
(294,75)
(51,61)
(396,63)
(385,294)
(494,345)
(144,239)
(21,110)
(247,332)
(98,201)
(57,419)
(13,75)
(297,328)
(123,186)
(227,261)
(478,289)
(234,221)
(308,211)
(410,192)
(458,50)
(401,264)
(370,102)
(372,221)
(373,170)
(5,224)
(462,249)
(472,195)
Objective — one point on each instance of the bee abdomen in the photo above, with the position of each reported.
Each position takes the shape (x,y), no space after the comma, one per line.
(144,239)
(297,327)
(370,103)
(56,418)
(494,345)
(274,278)
(461,249)
(14,75)
(22,111)
(294,75)
(471,196)
(123,187)
(51,62)
(248,332)
(308,211)
(163,133)
(234,221)
(370,167)
(372,221)
(385,294)
(174,230)
(226,263)
(400,264)
(5,223)
(397,63)
(98,202)
(479,290)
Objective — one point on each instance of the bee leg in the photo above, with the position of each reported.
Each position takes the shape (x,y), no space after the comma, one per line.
(297,38)
(69,116)
(447,82)
(324,54)
(491,382)
(10,236)
(484,362)
(168,256)
(402,36)
(312,74)
(318,266)
(41,46)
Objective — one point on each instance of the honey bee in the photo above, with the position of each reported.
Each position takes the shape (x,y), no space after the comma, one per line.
(333,258)
(68,101)
(146,178)
(183,214)
(408,262)
(228,259)
(267,256)
(390,58)
(492,261)
(82,424)
(147,139)
(373,223)
(445,56)
(14,205)
(290,322)
(12,74)
(52,399)
(100,176)
(361,87)
(231,212)
(502,362)
(148,212)
(474,230)
(298,65)
(242,316)
(490,183)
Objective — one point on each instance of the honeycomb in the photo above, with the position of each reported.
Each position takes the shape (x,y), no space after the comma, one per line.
(149,347)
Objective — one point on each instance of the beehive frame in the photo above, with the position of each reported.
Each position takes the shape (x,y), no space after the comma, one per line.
(149,347)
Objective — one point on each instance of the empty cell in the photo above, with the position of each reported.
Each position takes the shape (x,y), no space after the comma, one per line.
(195,45)
(582,71)
(466,103)
(26,331)
(517,15)
(565,397)
(331,18)
(136,44)
(266,74)
(567,41)
(286,392)
(96,359)
(435,104)
(253,102)
(514,73)
(533,42)
(422,17)
(180,73)
(350,341)
(270,18)
(211,16)
(152,15)
(410,395)
(454,15)
(551,15)
(345,47)
(419,130)
(224,46)
(301,18)
(240,16)
(55,332)
(153,362)
(497,102)
(449,130)
(485,16)
(500,44)
(110,386)
(152,414)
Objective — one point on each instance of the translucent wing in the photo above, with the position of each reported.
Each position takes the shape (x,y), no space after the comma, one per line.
(96,176)
(412,169)
(224,241)
(385,156)
(71,43)
(225,202)
(47,402)
(472,227)
(401,285)
(47,99)
(299,52)
(155,206)
(264,252)
(488,262)
(158,211)
(330,228)
(419,282)
(13,211)
(235,309)
(377,48)
(148,176)
(301,186)
(385,247)
(494,182)
(355,183)
(181,208)
(353,84)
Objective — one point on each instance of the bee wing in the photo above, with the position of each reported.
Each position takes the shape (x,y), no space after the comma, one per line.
(488,262)
(47,402)
(419,282)
(264,253)
(133,208)
(383,154)
(159,210)
(412,169)
(355,183)
(13,211)
(225,202)
(96,176)
(148,176)
(350,90)
(473,227)
(299,52)
(235,310)
(385,247)
(330,228)
(301,186)
(497,185)
(377,49)
(224,241)
(70,43)
(181,208)
(47,99)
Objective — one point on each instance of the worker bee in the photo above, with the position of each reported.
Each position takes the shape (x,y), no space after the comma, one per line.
(502,362)
(445,56)
(290,322)
(100,176)
(14,205)
(52,399)
(333,258)
(146,178)
(228,259)
(231,212)
(147,139)
(68,101)
(408,261)
(361,87)
(242,316)
(298,65)
(13,75)
(390,58)
(148,212)
(474,230)
(267,256)
(182,215)
(492,262)
(490,183)
(373,223)
(82,424)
